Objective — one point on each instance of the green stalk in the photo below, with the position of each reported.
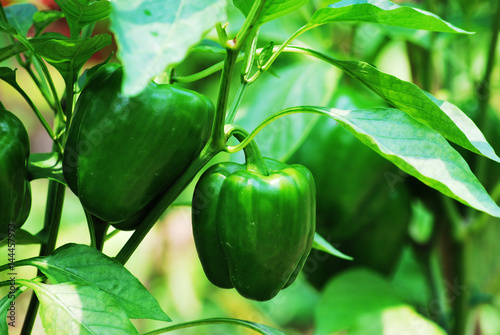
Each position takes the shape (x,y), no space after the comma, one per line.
(224,87)
(52,220)
(253,157)
(165,201)
(53,211)
(212,321)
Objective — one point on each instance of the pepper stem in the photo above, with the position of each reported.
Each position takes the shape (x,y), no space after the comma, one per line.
(253,158)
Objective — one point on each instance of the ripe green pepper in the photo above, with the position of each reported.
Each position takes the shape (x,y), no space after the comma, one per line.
(15,190)
(122,152)
(254,224)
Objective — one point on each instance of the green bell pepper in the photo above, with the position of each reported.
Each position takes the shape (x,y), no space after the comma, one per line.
(15,190)
(122,152)
(254,224)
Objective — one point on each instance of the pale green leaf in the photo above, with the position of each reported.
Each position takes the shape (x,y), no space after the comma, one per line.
(79,308)
(417,150)
(382,12)
(105,273)
(20,17)
(153,34)
(321,244)
(361,302)
(273,9)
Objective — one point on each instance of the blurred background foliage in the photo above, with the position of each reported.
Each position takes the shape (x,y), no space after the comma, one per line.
(408,264)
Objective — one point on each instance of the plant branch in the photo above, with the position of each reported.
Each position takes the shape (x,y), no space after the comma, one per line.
(166,199)
(247,324)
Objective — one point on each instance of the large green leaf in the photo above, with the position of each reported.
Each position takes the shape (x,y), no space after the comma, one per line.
(360,302)
(382,12)
(416,149)
(105,273)
(442,116)
(273,9)
(68,56)
(79,308)
(20,16)
(153,34)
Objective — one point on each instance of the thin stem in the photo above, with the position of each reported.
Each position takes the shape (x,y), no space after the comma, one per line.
(208,322)
(276,52)
(41,87)
(435,280)
(165,201)
(55,200)
(250,25)
(204,73)
(274,117)
(225,84)
(40,118)
(236,102)
(46,73)
(253,158)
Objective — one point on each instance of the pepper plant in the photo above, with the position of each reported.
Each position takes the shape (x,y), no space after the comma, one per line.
(137,132)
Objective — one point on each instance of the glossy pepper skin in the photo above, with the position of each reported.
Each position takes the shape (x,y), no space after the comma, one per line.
(254,232)
(15,190)
(122,152)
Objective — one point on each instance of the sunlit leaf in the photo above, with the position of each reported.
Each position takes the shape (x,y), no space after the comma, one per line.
(417,150)
(442,116)
(273,9)
(105,273)
(361,302)
(80,308)
(382,12)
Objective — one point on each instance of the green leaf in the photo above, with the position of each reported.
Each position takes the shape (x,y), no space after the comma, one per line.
(105,273)
(273,9)
(321,244)
(25,237)
(21,17)
(361,302)
(417,150)
(80,308)
(382,12)
(68,56)
(79,15)
(43,19)
(444,117)
(172,27)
